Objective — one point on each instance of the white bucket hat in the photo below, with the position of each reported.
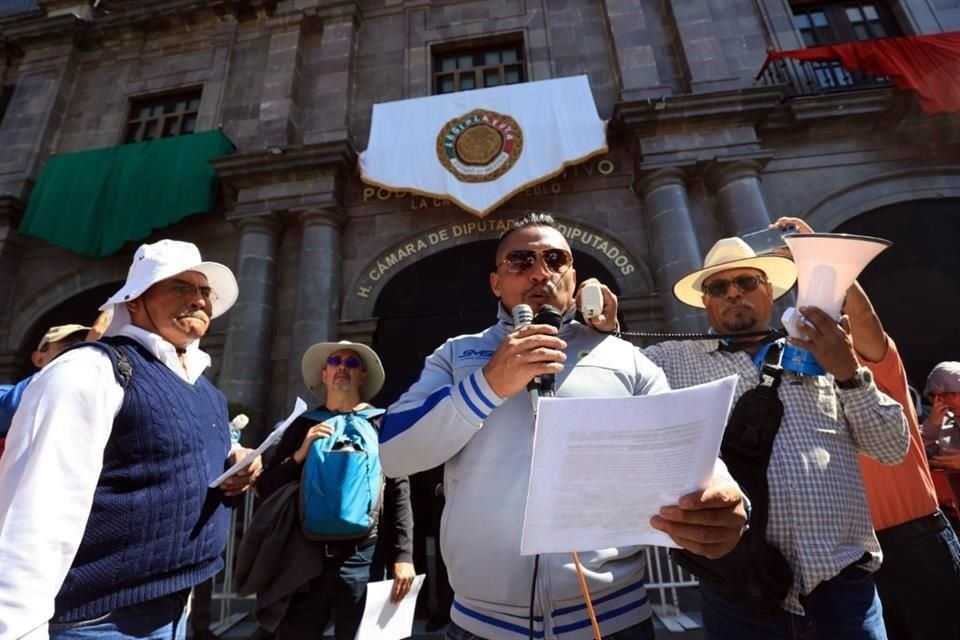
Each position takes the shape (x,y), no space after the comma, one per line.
(316,357)
(734,253)
(164,259)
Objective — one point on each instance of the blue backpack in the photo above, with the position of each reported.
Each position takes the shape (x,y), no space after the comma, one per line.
(341,486)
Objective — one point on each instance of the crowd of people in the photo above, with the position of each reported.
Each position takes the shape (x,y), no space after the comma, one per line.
(821,519)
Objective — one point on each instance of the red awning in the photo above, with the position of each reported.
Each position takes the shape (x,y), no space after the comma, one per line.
(928,65)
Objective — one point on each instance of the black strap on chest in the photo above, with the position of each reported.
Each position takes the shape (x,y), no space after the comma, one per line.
(755,568)
(122,367)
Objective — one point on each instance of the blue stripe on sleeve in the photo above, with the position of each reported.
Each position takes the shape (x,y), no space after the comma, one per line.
(396,423)
(466,398)
(476,388)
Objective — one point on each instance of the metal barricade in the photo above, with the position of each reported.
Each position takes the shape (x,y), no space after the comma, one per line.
(224,589)
(666,582)
(665,579)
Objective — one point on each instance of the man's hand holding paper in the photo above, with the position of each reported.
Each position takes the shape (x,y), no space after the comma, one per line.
(707,522)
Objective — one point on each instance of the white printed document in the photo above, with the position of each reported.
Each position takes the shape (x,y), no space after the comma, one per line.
(298,408)
(602,467)
(383,620)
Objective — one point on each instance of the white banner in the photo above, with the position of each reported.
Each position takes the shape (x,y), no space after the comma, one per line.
(479,148)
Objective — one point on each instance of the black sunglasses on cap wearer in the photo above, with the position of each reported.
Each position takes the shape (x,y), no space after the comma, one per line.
(520,260)
(745,284)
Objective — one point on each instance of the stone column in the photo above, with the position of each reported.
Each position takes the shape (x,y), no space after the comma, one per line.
(317,306)
(45,81)
(673,242)
(742,208)
(280,109)
(331,84)
(11,362)
(737,187)
(245,375)
(701,46)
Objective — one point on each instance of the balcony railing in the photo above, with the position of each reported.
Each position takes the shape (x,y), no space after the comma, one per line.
(815,78)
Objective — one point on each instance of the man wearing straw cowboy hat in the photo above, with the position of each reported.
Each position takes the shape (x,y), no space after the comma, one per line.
(470,411)
(816,516)
(326,581)
(106,520)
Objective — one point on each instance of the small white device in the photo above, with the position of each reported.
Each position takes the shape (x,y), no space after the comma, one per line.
(591,300)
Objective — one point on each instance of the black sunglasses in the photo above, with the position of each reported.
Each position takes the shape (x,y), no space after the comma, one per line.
(520,260)
(746,284)
(350,362)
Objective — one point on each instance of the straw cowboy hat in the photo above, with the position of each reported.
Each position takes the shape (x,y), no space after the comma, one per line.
(734,253)
(316,357)
(161,260)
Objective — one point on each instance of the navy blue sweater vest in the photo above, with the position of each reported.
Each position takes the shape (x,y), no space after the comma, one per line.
(154,528)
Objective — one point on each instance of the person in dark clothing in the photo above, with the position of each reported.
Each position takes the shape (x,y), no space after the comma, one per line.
(343,375)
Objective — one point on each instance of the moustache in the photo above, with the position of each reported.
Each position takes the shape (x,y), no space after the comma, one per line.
(195,314)
(548,288)
(739,303)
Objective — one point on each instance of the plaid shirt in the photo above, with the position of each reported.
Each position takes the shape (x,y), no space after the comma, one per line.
(818,514)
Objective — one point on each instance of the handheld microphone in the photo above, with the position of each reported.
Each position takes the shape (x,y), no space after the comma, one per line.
(522,316)
(551,316)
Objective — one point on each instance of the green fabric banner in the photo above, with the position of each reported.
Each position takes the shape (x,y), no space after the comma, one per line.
(93,202)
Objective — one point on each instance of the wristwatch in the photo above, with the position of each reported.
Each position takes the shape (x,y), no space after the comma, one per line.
(862,379)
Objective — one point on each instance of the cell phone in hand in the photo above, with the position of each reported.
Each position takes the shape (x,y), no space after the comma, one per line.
(767,241)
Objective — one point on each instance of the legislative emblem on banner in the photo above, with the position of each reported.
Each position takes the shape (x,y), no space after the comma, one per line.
(480,146)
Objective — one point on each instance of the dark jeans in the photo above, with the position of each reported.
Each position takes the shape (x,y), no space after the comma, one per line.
(919,584)
(338,594)
(642,631)
(160,619)
(843,608)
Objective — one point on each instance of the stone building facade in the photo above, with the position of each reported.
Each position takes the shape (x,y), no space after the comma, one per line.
(699,149)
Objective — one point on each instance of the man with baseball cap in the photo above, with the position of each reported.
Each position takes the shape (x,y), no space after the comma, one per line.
(106,521)
(818,549)
(344,376)
(54,342)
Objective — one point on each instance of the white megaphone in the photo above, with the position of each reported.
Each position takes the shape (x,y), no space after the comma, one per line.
(827,265)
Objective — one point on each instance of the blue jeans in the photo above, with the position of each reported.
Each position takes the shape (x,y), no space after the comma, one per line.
(160,619)
(845,607)
(338,594)
(919,585)
(642,631)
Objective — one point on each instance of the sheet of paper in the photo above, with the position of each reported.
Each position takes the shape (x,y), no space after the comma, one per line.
(383,620)
(298,408)
(602,467)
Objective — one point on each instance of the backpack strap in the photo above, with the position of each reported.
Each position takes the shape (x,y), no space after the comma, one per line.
(122,366)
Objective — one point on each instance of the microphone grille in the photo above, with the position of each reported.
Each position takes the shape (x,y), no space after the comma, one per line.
(522,315)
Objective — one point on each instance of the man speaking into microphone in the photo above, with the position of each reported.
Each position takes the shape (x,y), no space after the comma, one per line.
(472,412)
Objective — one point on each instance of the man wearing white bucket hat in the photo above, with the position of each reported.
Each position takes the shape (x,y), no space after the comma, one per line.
(106,521)
(811,569)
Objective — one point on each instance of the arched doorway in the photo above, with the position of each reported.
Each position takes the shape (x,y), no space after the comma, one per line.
(79,309)
(915,285)
(441,296)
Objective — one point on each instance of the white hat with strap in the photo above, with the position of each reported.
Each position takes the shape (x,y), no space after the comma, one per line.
(164,259)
